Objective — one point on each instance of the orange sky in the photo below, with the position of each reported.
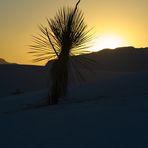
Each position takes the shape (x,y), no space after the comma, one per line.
(19,20)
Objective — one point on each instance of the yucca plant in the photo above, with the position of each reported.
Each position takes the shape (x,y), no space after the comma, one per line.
(65,35)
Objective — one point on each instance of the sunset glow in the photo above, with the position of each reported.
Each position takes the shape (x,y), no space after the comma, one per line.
(107,41)
(114,22)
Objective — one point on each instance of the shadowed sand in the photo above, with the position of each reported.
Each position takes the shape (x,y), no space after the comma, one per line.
(104,65)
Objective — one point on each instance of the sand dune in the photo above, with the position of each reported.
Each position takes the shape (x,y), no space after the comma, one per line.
(109,109)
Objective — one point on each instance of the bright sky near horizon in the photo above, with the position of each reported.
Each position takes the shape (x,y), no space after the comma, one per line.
(126,20)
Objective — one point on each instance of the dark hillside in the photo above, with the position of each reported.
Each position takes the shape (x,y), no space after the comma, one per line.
(126,59)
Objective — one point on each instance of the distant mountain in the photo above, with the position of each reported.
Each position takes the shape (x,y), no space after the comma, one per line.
(122,59)
(126,59)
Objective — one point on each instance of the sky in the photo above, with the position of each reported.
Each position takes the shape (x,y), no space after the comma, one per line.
(19,20)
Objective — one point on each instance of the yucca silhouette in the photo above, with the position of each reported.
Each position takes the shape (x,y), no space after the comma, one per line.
(65,35)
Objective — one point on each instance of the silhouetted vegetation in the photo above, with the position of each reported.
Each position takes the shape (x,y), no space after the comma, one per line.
(3,61)
(65,35)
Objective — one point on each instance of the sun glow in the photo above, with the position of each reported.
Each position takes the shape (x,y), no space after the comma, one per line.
(107,41)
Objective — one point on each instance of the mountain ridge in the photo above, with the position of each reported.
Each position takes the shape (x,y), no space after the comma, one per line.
(128,59)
